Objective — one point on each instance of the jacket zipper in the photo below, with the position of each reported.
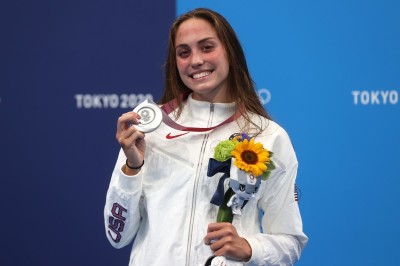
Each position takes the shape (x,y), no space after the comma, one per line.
(196,185)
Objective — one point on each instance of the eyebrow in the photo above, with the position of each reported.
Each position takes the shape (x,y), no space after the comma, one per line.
(199,42)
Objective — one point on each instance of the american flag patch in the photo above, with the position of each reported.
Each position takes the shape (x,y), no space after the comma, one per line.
(297,191)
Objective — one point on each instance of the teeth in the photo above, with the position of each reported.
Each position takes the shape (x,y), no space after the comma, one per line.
(202,74)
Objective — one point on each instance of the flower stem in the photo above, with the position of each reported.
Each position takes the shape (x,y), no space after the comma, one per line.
(225,212)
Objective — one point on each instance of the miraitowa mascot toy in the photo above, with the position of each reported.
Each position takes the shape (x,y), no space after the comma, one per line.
(246,164)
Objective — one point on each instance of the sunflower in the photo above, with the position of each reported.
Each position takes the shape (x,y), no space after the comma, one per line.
(251,157)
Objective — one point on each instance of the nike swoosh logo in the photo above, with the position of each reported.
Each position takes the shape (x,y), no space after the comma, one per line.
(168,136)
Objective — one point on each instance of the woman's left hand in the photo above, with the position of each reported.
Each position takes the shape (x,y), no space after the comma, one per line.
(224,240)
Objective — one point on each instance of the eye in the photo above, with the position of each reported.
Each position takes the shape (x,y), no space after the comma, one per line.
(207,48)
(183,53)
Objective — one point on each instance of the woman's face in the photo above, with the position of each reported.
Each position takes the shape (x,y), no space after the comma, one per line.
(202,60)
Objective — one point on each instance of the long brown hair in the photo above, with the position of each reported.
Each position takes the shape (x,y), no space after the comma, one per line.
(241,87)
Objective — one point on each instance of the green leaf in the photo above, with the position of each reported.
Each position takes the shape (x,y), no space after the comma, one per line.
(271,166)
(225,212)
(266,175)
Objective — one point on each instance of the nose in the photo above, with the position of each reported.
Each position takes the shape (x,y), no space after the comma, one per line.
(197,59)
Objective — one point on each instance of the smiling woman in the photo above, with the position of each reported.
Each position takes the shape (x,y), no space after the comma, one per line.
(170,204)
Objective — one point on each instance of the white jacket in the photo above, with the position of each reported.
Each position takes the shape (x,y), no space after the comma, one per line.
(166,208)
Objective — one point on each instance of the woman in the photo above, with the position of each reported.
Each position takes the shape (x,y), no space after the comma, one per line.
(161,188)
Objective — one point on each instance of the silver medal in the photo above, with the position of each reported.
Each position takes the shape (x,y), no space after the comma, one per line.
(150,116)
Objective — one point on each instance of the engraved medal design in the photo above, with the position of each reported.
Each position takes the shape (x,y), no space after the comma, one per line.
(150,116)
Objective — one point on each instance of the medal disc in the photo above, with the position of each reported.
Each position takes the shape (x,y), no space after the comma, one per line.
(150,116)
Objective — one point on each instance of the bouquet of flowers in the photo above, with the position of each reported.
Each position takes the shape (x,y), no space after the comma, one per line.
(246,163)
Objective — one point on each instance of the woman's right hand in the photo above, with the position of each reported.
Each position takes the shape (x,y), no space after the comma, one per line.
(131,140)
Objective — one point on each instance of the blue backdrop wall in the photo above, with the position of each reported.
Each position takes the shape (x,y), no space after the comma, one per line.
(69,69)
(327,71)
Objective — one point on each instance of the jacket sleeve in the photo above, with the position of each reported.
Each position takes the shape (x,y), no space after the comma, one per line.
(282,240)
(122,214)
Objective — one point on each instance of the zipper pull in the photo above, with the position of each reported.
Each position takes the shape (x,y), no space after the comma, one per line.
(211,107)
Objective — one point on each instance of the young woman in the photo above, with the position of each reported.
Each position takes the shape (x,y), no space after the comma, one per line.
(160,190)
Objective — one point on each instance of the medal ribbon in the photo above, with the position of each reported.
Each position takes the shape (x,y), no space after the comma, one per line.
(173,104)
